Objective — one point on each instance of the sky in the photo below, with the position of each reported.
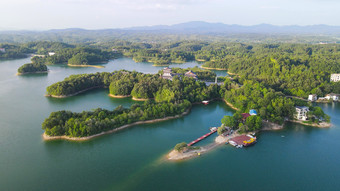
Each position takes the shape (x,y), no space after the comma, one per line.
(103,14)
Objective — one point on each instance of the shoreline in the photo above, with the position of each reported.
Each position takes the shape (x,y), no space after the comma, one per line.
(119,96)
(64,137)
(70,95)
(84,66)
(40,72)
(208,68)
(160,65)
(321,125)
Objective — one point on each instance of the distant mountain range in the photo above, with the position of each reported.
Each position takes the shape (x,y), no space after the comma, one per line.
(205,27)
(196,30)
(201,27)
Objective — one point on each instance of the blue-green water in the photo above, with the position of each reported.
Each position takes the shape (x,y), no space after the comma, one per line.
(306,158)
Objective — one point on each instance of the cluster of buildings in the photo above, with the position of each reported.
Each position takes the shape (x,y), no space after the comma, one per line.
(331,96)
(168,74)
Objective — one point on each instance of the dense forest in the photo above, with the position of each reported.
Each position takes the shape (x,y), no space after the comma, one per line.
(88,123)
(32,68)
(294,69)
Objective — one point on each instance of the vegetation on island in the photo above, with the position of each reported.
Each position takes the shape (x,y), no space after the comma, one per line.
(139,85)
(32,68)
(181,146)
(78,56)
(88,123)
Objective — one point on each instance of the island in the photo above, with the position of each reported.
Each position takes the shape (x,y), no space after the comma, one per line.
(32,68)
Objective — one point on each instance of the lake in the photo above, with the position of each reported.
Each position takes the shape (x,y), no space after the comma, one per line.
(295,158)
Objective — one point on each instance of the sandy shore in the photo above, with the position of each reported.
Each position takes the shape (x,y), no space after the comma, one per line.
(64,96)
(212,68)
(219,140)
(175,155)
(93,66)
(230,105)
(48,138)
(321,125)
(119,96)
(139,99)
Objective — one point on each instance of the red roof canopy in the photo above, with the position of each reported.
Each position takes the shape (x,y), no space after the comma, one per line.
(245,115)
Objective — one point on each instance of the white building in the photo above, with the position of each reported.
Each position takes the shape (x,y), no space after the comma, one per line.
(335,77)
(312,97)
(51,53)
(2,50)
(333,96)
(301,113)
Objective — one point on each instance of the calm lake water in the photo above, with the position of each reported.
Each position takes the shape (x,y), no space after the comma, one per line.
(295,158)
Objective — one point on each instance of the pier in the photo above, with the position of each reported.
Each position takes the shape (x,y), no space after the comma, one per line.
(201,138)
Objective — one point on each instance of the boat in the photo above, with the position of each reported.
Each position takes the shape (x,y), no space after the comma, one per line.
(249,142)
(213,129)
(205,102)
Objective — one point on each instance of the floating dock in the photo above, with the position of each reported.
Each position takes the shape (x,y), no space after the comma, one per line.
(201,138)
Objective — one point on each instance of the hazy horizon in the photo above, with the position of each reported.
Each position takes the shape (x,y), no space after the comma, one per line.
(112,14)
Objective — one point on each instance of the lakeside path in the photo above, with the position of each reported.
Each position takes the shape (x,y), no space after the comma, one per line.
(48,138)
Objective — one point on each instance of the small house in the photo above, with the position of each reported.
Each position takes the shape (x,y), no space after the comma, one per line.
(312,97)
(191,74)
(51,53)
(2,50)
(245,116)
(301,113)
(333,96)
(335,77)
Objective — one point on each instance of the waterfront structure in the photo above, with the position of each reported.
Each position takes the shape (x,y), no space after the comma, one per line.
(312,97)
(301,113)
(335,77)
(2,50)
(253,112)
(333,96)
(191,74)
(242,141)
